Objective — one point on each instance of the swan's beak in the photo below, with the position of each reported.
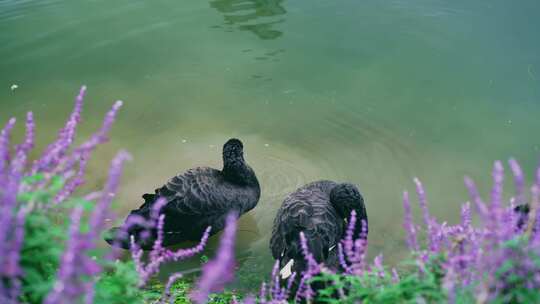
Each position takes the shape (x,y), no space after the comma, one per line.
(286,271)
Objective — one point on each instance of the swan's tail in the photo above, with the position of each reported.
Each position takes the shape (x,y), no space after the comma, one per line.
(144,236)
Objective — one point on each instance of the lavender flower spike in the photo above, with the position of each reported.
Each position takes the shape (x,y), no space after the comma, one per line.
(76,264)
(537,177)
(30,131)
(65,289)
(313,266)
(519,180)
(4,150)
(167,296)
(12,270)
(18,163)
(162,255)
(220,270)
(6,195)
(249,300)
(101,135)
(428,221)
(378,267)
(54,153)
(496,191)
(408,223)
(100,212)
(395,276)
(82,153)
(423,201)
(348,242)
(342,261)
(13,267)
(475,196)
(466,216)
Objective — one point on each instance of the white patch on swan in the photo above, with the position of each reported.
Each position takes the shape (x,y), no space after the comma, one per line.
(286,271)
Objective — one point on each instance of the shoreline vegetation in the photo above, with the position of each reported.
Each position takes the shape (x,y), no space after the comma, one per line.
(49,235)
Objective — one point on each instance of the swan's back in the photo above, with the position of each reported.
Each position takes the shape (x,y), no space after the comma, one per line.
(204,191)
(199,198)
(307,209)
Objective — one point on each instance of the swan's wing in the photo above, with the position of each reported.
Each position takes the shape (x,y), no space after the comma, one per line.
(308,210)
(201,191)
(294,216)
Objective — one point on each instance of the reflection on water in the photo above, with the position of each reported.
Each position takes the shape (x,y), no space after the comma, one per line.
(256,16)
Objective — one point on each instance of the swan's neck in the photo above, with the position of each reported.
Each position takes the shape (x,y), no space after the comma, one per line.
(237,171)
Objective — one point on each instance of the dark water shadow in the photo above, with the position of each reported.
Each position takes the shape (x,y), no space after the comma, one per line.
(256,16)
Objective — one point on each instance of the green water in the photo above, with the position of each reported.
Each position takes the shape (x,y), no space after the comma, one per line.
(368,91)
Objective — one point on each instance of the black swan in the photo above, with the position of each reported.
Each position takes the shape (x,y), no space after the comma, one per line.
(196,199)
(321,210)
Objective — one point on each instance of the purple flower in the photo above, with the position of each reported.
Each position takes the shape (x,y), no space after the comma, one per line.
(277,293)
(408,223)
(100,212)
(8,190)
(4,148)
(65,289)
(312,265)
(76,265)
(466,216)
(158,255)
(55,152)
(496,191)
(378,267)
(519,180)
(82,155)
(220,270)
(352,252)
(475,196)
(167,296)
(55,160)
(395,276)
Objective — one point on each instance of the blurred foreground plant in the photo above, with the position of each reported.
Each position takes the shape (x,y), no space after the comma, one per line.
(495,261)
(49,237)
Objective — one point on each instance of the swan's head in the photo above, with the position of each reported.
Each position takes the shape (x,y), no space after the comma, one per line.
(345,198)
(233,148)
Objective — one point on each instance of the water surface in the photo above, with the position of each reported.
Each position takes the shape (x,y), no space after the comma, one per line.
(371,92)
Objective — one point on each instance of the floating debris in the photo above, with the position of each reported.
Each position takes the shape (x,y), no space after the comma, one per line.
(13,87)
